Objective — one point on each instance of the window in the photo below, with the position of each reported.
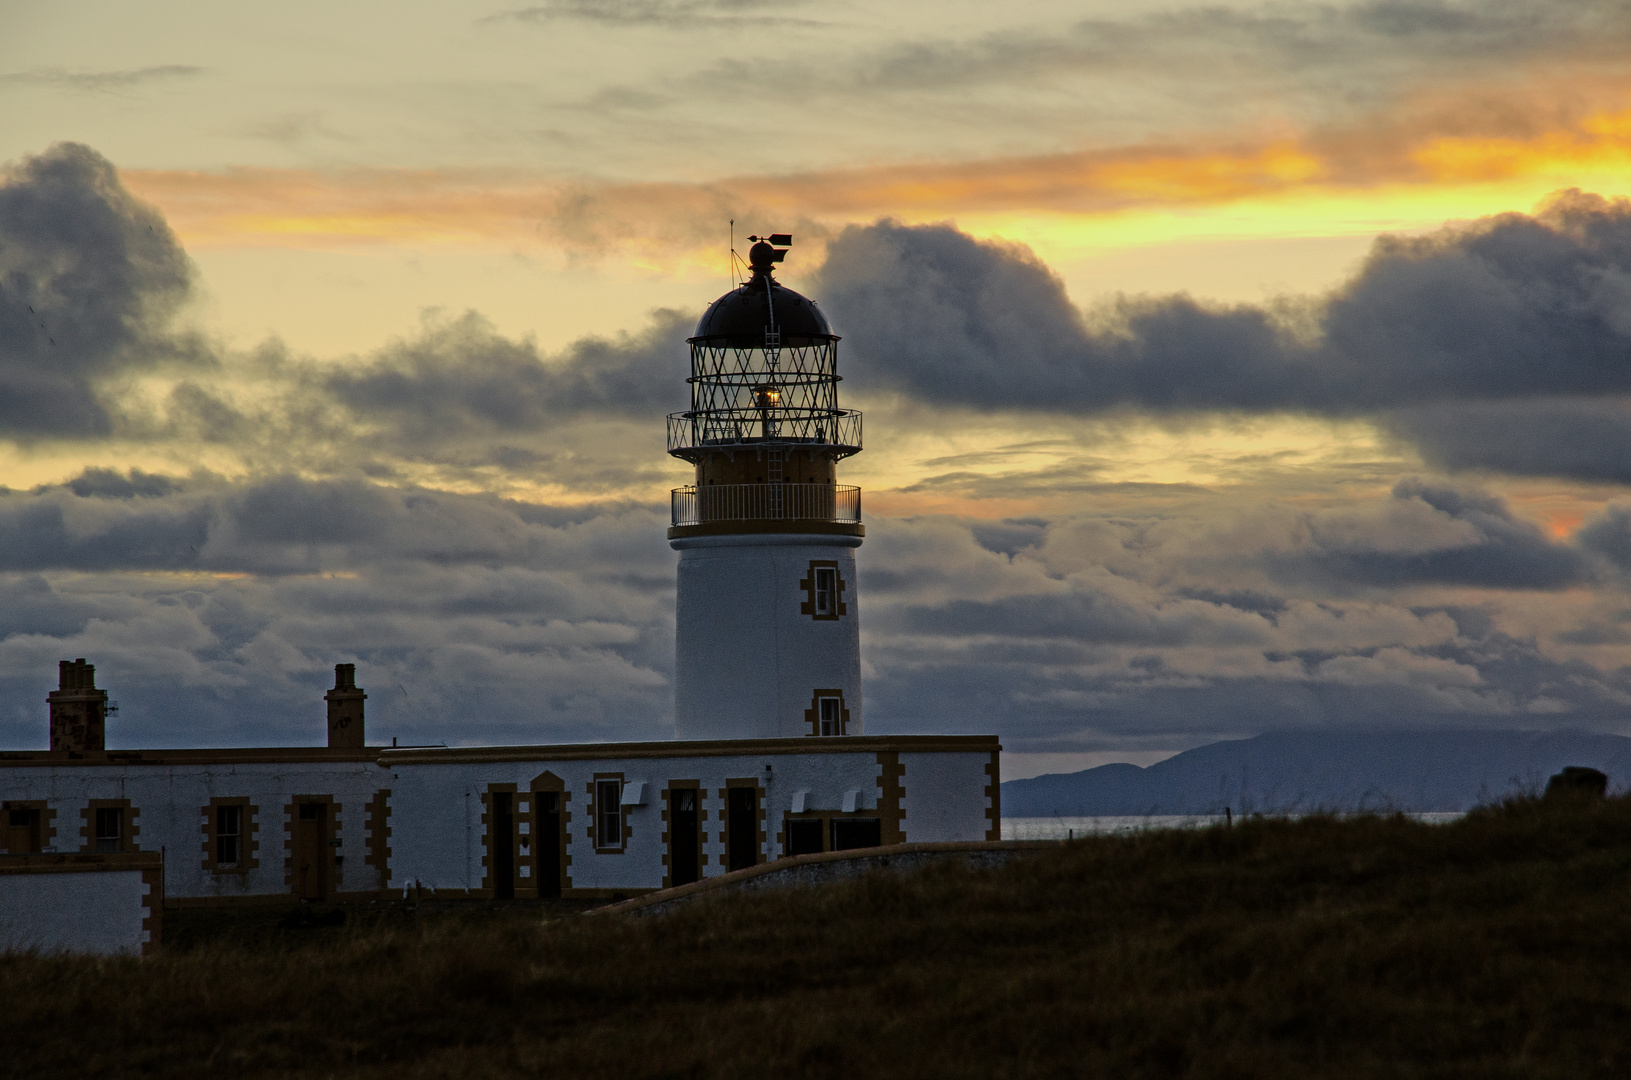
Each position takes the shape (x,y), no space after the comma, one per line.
(849,833)
(831,716)
(823,590)
(804,836)
(826,591)
(229,830)
(827,714)
(110,829)
(608,813)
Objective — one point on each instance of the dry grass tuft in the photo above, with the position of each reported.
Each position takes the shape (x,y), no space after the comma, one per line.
(1496,947)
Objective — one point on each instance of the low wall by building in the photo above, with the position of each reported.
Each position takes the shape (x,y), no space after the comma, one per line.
(828,867)
(99,904)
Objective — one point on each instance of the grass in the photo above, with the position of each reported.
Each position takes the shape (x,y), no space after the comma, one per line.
(1498,946)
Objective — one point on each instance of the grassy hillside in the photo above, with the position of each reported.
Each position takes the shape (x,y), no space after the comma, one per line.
(1498,946)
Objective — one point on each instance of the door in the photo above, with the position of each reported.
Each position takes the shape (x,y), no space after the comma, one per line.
(311,851)
(501,846)
(547,838)
(744,827)
(684,853)
(22,830)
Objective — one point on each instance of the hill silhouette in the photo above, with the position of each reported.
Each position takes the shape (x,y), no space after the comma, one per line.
(1338,771)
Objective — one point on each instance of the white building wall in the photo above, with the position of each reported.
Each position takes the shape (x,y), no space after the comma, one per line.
(170,801)
(433,848)
(91,911)
(945,796)
(748,661)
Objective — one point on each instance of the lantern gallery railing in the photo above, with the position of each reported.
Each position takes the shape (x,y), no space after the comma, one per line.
(702,430)
(766,502)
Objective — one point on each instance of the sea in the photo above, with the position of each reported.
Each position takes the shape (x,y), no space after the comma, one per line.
(1067,828)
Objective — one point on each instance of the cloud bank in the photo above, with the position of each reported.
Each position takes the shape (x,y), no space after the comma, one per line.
(478,524)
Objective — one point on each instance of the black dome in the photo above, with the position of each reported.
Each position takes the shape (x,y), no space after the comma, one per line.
(741,318)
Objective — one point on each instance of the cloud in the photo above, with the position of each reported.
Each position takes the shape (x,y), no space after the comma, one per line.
(1433,534)
(103,82)
(90,281)
(666,13)
(460,375)
(1507,308)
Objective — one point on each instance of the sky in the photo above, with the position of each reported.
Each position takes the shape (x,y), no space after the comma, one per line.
(1227,368)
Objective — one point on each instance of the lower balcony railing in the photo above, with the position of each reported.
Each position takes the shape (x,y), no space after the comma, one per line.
(838,503)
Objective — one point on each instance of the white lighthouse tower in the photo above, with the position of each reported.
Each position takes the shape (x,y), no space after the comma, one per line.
(768,639)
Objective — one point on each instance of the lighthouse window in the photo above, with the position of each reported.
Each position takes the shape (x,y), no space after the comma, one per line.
(831,710)
(826,590)
(823,591)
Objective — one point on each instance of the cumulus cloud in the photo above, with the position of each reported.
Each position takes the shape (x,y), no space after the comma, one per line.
(1513,306)
(90,281)
(1492,345)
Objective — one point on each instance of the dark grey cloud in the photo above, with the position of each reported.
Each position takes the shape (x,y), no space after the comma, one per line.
(90,281)
(1510,307)
(1583,438)
(1495,550)
(1490,345)
(103,82)
(667,13)
(215,610)
(462,376)
(103,521)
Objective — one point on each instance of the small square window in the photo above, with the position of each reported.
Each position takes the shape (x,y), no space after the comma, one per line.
(110,829)
(228,835)
(831,711)
(608,813)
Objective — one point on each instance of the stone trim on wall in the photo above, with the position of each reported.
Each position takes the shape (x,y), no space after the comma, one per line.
(993,793)
(892,797)
(377,824)
(808,584)
(702,828)
(594,815)
(248,839)
(87,827)
(812,715)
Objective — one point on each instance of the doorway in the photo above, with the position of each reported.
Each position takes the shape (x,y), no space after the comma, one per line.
(501,846)
(22,829)
(684,850)
(311,851)
(743,826)
(546,835)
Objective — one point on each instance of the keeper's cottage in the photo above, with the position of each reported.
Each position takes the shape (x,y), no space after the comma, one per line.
(771,756)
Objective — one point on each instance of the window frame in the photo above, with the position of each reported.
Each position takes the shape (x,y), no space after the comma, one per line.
(599,813)
(248,835)
(808,585)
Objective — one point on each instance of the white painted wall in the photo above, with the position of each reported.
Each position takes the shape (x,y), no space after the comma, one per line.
(433,847)
(945,796)
(170,801)
(89,911)
(747,662)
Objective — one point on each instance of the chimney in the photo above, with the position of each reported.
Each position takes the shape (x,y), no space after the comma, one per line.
(79,711)
(345,709)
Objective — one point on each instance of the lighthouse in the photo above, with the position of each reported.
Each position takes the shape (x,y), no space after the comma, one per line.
(767,623)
